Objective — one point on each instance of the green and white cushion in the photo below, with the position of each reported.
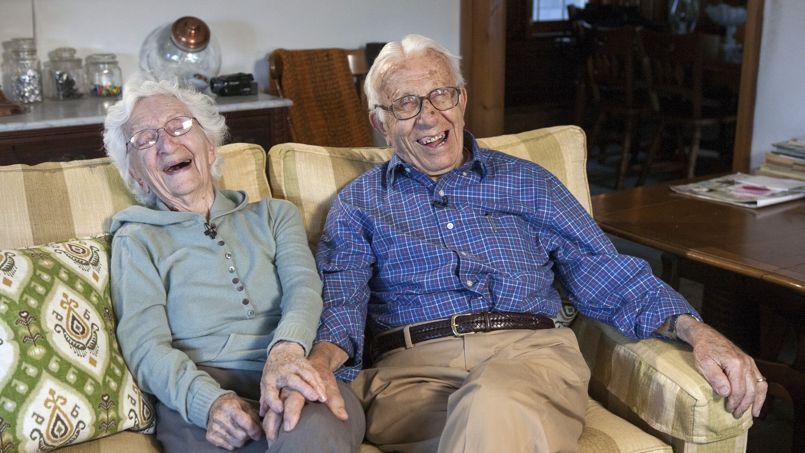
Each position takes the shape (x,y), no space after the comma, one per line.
(62,376)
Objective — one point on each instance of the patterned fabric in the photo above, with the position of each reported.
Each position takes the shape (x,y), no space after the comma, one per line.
(310,176)
(62,379)
(490,235)
(675,399)
(56,201)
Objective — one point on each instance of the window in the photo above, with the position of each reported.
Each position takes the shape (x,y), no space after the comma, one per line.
(553,10)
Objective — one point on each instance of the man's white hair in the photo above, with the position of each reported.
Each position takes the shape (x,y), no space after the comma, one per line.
(141,86)
(394,52)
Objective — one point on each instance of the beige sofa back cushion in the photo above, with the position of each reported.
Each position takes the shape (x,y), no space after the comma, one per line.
(56,201)
(310,176)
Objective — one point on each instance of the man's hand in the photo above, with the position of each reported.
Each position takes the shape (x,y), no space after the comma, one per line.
(287,367)
(232,422)
(324,358)
(731,372)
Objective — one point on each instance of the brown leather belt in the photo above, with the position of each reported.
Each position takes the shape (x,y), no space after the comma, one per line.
(457,326)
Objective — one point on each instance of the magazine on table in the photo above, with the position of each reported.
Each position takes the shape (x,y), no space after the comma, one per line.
(749,191)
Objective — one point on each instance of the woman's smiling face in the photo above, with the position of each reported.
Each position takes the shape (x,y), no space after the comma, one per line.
(175,169)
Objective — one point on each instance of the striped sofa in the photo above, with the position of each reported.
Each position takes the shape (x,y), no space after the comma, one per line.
(645,396)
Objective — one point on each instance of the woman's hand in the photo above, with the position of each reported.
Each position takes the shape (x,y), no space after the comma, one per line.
(287,368)
(324,358)
(232,422)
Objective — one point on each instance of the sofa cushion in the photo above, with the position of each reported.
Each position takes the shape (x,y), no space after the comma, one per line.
(62,377)
(605,432)
(56,201)
(310,176)
(674,399)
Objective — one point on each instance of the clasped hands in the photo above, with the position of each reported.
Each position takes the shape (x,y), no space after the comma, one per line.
(288,380)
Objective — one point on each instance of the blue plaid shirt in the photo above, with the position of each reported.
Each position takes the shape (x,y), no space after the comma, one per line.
(487,236)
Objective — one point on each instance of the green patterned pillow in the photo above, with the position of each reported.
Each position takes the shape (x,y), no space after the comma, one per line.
(62,377)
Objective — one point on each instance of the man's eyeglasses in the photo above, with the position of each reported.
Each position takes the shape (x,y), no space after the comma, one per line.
(175,127)
(409,106)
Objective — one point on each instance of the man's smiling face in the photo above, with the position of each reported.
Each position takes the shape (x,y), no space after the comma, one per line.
(432,141)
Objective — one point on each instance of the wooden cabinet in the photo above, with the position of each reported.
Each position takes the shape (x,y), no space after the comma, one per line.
(263,125)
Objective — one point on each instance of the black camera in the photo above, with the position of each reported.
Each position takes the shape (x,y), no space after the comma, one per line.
(239,84)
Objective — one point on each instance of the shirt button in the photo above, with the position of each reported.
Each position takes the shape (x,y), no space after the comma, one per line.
(228,255)
(245,301)
(407,170)
(221,242)
(463,173)
(231,269)
(450,225)
(236,280)
(470,283)
(441,193)
(462,253)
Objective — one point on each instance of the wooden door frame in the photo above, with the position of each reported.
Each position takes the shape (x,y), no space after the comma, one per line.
(483,50)
(481,32)
(753,31)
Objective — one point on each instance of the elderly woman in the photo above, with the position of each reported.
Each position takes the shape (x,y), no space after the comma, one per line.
(210,290)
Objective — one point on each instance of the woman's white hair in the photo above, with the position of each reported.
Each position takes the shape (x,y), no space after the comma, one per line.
(394,52)
(140,86)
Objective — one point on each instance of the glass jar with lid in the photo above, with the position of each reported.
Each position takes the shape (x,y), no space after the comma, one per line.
(104,77)
(64,75)
(5,68)
(25,82)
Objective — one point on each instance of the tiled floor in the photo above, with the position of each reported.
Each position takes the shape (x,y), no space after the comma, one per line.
(773,431)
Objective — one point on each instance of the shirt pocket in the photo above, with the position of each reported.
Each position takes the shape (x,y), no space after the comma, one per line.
(505,238)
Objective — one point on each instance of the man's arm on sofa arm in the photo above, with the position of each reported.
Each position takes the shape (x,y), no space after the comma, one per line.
(657,382)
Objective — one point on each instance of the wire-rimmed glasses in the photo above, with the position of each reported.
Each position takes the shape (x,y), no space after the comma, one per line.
(409,106)
(175,127)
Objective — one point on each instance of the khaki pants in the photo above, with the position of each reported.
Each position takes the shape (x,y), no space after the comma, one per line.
(505,391)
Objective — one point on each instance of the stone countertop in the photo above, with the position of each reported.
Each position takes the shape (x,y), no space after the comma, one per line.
(92,110)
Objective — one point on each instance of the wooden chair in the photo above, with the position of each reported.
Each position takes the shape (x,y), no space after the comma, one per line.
(673,67)
(359,67)
(611,73)
(327,108)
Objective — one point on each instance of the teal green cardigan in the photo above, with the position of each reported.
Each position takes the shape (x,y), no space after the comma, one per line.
(185,296)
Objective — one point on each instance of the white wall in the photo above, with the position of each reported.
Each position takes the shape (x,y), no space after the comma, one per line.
(780,105)
(247,30)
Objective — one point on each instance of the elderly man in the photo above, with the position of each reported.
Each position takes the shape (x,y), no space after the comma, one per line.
(448,239)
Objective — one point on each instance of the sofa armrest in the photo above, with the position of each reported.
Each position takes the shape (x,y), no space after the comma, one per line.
(655,383)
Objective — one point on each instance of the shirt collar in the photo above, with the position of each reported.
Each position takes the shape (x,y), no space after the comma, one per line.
(477,161)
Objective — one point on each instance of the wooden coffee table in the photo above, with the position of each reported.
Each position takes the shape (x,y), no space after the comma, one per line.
(751,263)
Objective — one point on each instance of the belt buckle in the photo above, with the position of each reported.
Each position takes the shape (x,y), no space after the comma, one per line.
(454,325)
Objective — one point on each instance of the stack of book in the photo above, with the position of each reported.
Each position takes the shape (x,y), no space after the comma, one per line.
(787,160)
